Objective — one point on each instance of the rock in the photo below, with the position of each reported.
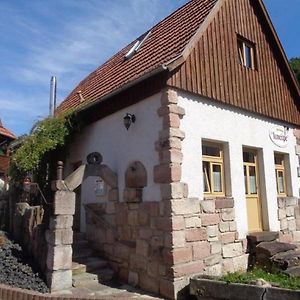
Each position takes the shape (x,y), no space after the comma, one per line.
(272,248)
(261,282)
(293,272)
(286,259)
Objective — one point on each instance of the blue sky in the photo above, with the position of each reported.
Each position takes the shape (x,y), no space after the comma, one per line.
(70,38)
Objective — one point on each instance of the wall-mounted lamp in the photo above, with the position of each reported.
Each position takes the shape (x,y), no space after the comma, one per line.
(128,119)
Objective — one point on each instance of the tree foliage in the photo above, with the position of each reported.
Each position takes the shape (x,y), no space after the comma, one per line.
(45,137)
(295,64)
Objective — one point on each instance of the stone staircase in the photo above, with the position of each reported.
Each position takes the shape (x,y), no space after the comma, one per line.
(267,252)
(87,268)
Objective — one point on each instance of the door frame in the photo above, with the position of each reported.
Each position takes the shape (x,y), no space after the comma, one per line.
(258,195)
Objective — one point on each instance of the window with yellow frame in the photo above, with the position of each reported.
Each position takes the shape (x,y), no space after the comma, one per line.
(280,174)
(213,169)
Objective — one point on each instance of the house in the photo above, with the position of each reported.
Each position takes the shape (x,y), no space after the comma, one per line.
(5,138)
(210,152)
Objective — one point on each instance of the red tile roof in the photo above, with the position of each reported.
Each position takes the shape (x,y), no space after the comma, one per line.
(167,40)
(6,133)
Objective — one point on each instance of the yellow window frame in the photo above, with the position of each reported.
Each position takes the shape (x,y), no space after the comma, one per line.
(280,168)
(214,160)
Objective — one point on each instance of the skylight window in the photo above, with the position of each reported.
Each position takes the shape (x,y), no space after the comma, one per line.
(137,45)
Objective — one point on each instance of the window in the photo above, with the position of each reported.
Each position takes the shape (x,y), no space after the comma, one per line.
(213,170)
(280,174)
(246,52)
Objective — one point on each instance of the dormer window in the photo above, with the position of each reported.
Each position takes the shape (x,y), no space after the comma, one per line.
(246,52)
(137,45)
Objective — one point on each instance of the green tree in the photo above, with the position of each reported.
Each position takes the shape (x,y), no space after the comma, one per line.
(295,64)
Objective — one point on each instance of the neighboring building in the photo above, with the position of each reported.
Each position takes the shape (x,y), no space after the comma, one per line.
(213,153)
(5,138)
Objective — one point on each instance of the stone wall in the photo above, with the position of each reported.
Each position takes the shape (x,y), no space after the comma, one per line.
(289,217)
(3,210)
(133,236)
(158,246)
(29,231)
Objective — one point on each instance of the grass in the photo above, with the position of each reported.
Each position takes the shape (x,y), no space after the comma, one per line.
(277,279)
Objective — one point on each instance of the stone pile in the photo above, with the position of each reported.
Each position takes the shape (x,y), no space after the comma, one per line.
(15,269)
(267,252)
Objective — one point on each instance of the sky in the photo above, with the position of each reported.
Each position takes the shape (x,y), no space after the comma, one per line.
(71,38)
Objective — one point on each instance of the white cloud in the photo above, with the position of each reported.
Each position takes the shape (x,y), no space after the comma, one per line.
(68,39)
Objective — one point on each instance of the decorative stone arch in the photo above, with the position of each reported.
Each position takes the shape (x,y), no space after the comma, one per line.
(135,181)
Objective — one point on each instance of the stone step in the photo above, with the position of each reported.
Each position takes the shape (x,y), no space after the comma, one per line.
(84,279)
(293,272)
(272,248)
(88,265)
(263,236)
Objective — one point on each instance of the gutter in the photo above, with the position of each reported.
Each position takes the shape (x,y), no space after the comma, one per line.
(126,86)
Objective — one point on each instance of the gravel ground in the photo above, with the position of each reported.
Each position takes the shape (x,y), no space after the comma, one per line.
(15,269)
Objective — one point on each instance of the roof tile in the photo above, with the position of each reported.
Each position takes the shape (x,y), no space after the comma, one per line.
(166,41)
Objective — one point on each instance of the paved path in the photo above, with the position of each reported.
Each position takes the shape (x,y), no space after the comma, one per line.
(108,291)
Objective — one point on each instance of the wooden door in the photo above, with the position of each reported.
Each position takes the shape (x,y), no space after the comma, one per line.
(251,178)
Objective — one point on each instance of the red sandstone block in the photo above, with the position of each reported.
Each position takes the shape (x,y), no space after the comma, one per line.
(122,251)
(142,248)
(178,223)
(145,233)
(201,250)
(163,223)
(182,255)
(170,156)
(228,237)
(121,218)
(196,234)
(133,218)
(157,242)
(285,238)
(152,268)
(167,173)
(209,219)
(137,262)
(171,120)
(168,96)
(195,267)
(297,224)
(143,218)
(168,143)
(152,208)
(166,289)
(224,203)
(171,109)
(149,283)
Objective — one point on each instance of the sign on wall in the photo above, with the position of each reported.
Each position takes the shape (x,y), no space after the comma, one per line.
(279,136)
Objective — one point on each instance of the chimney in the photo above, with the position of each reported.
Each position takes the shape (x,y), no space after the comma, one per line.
(52,101)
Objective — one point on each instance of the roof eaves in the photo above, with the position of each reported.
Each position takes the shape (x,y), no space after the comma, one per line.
(124,87)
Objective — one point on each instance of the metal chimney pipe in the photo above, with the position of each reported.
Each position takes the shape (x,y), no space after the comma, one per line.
(52,101)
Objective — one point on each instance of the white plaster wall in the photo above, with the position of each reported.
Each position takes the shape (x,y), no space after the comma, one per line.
(207,120)
(120,147)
